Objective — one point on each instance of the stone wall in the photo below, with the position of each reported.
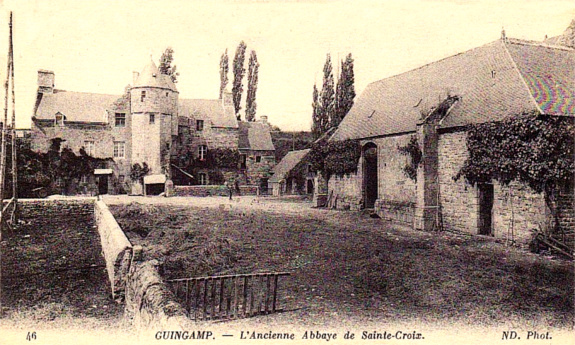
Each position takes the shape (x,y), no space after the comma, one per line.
(150,305)
(393,185)
(255,171)
(213,190)
(35,212)
(458,199)
(116,248)
(516,209)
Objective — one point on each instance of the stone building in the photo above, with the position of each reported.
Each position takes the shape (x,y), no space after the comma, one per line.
(285,178)
(435,103)
(148,124)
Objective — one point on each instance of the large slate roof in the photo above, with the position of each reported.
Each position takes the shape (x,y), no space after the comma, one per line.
(75,106)
(290,160)
(500,79)
(255,136)
(209,110)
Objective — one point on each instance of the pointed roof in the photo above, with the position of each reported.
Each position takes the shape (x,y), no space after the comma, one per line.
(500,79)
(255,136)
(151,77)
(290,160)
(210,110)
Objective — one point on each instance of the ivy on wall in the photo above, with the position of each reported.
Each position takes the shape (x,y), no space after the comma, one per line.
(338,158)
(215,161)
(413,151)
(535,150)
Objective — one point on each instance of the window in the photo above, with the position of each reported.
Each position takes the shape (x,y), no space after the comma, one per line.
(84,179)
(167,94)
(202,178)
(142,96)
(119,149)
(59,119)
(90,147)
(120,120)
(199,125)
(121,178)
(202,152)
(243,159)
(258,159)
(152,119)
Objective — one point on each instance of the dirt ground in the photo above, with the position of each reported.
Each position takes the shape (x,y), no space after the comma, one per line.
(54,276)
(348,268)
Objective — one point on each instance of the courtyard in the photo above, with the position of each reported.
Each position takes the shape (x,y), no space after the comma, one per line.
(348,268)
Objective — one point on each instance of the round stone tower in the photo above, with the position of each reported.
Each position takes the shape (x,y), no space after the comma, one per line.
(154,110)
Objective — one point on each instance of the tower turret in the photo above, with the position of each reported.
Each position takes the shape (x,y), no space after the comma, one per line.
(154,110)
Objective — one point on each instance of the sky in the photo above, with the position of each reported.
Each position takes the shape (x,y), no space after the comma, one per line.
(93,46)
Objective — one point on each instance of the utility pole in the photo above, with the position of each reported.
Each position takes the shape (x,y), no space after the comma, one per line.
(9,74)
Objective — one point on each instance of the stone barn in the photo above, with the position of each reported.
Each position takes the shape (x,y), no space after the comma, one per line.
(434,104)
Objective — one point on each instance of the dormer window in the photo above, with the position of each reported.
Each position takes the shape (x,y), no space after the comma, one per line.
(142,96)
(59,119)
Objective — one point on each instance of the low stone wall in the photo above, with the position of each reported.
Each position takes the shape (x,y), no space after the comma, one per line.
(397,212)
(213,190)
(116,248)
(149,302)
(35,211)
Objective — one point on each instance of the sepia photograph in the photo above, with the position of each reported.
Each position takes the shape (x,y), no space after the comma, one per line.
(278,172)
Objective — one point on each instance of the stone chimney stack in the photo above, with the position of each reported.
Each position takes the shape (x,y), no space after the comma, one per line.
(45,81)
(264,119)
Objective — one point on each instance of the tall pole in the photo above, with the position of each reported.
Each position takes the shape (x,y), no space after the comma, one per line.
(14,157)
(3,154)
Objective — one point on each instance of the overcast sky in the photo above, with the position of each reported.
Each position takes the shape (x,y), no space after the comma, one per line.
(93,46)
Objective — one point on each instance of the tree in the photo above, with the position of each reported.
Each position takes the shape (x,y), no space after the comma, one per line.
(345,91)
(316,115)
(224,67)
(251,104)
(239,72)
(166,65)
(327,97)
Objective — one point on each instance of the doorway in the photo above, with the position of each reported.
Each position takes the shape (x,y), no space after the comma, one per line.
(485,220)
(102,184)
(369,175)
(309,186)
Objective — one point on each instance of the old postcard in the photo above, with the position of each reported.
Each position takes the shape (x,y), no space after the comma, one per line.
(249,172)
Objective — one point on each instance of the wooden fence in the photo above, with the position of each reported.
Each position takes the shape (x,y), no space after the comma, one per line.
(229,296)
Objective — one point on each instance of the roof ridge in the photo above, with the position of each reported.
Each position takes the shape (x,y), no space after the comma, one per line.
(85,92)
(527,89)
(538,44)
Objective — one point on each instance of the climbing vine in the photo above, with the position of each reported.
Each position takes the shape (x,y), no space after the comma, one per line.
(338,158)
(412,150)
(535,150)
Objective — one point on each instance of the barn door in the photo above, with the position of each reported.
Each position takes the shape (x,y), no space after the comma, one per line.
(370,175)
(485,208)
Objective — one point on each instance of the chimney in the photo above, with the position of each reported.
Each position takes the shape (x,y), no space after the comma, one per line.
(227,98)
(135,76)
(264,119)
(45,81)
(503,36)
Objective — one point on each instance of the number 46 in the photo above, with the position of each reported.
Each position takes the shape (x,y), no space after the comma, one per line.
(31,336)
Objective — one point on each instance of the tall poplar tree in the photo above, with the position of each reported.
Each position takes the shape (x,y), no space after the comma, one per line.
(166,65)
(239,72)
(344,92)
(251,105)
(327,96)
(224,68)
(316,114)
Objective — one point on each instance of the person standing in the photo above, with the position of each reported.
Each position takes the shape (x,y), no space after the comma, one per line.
(229,185)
